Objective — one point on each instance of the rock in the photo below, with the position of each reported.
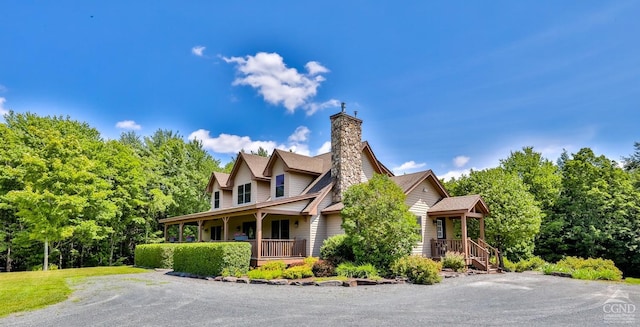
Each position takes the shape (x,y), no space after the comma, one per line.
(366,282)
(259,281)
(210,278)
(230,279)
(278,282)
(387,282)
(350,283)
(329,283)
(243,280)
(560,274)
(218,278)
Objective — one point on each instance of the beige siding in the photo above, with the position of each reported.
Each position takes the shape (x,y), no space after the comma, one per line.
(262,193)
(419,200)
(243,176)
(317,229)
(334,225)
(227,199)
(278,169)
(367,168)
(295,183)
(216,188)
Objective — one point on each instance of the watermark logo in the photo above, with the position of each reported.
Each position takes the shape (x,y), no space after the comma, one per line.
(618,309)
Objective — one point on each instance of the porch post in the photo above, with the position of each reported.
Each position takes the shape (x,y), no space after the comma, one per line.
(166,236)
(482,228)
(225,223)
(180,232)
(259,217)
(465,245)
(200,230)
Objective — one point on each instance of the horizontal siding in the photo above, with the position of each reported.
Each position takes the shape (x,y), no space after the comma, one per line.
(419,200)
(367,168)
(278,169)
(334,225)
(262,191)
(243,176)
(295,183)
(227,199)
(318,230)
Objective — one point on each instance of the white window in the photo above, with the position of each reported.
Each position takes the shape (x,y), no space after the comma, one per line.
(440,228)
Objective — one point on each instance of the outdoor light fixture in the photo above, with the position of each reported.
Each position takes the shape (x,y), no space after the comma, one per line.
(297,223)
(435,221)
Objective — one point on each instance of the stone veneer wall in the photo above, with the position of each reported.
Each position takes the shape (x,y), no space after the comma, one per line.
(346,160)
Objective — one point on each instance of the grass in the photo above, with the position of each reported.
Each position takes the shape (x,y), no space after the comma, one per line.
(22,291)
(630,280)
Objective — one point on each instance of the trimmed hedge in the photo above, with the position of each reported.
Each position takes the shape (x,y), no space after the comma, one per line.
(210,259)
(154,255)
(417,269)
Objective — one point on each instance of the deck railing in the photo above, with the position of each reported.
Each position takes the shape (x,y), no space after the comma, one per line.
(493,252)
(479,253)
(440,247)
(280,248)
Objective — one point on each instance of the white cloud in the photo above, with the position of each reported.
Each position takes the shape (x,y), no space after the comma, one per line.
(128,124)
(312,107)
(460,161)
(278,84)
(3,111)
(301,134)
(198,50)
(226,143)
(409,166)
(455,174)
(326,147)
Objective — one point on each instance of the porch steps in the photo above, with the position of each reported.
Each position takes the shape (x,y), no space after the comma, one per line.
(480,265)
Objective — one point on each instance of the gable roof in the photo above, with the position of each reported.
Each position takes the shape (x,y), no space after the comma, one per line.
(255,163)
(222,179)
(296,162)
(379,167)
(408,182)
(465,203)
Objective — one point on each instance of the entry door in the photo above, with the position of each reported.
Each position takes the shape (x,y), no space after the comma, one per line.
(249,229)
(441,228)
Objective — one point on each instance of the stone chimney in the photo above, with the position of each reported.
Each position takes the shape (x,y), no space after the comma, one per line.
(346,160)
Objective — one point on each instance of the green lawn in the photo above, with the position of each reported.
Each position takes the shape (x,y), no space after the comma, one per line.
(631,280)
(30,290)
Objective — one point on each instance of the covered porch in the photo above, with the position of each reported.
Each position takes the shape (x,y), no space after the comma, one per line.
(273,234)
(445,215)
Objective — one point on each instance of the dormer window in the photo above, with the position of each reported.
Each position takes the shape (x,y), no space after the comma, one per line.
(280,186)
(216,199)
(244,193)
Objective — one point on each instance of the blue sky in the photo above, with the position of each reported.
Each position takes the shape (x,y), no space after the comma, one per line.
(439,86)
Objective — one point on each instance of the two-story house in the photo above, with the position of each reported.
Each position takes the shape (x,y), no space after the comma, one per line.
(286,205)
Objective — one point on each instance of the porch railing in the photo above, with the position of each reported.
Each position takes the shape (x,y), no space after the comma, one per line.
(479,253)
(279,248)
(493,252)
(440,247)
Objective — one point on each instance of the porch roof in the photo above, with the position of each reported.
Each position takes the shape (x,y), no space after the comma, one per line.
(459,204)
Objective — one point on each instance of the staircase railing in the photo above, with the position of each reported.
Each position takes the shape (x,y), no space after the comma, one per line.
(493,252)
(478,252)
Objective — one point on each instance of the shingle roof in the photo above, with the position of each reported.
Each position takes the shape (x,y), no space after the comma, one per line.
(222,178)
(299,162)
(255,163)
(458,203)
(408,181)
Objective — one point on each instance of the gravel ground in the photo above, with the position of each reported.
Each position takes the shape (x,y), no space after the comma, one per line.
(156,299)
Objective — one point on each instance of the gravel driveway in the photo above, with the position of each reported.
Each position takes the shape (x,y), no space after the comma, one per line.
(156,299)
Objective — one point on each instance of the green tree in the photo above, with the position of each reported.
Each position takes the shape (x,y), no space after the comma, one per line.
(515,217)
(378,224)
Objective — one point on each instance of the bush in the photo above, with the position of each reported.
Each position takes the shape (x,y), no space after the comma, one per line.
(309,261)
(350,270)
(51,266)
(591,269)
(508,265)
(265,274)
(274,265)
(323,268)
(210,259)
(532,263)
(454,260)
(417,269)
(297,272)
(336,249)
(154,255)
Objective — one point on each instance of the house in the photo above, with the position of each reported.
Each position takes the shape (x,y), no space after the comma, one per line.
(286,205)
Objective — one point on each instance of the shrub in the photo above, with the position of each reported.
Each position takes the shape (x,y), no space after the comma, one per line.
(417,269)
(508,265)
(265,274)
(274,265)
(590,269)
(350,270)
(309,261)
(532,263)
(297,272)
(154,255)
(454,260)
(210,259)
(323,268)
(51,266)
(336,249)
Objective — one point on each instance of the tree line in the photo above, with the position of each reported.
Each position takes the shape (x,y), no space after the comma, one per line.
(584,205)
(71,198)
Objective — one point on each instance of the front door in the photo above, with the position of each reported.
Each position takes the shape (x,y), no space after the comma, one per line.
(249,229)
